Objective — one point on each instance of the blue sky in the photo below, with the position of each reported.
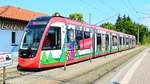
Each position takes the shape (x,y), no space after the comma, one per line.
(100,9)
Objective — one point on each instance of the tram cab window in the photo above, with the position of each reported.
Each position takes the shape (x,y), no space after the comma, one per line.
(79,36)
(52,39)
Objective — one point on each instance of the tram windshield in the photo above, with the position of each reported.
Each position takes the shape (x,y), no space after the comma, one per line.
(32,37)
(34,32)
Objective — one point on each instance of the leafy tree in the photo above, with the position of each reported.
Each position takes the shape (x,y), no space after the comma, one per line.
(143,33)
(118,24)
(56,14)
(108,25)
(76,16)
(126,25)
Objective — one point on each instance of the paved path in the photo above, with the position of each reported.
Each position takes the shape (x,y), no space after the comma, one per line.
(136,72)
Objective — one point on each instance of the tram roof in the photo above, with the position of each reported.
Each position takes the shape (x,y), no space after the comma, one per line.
(83,24)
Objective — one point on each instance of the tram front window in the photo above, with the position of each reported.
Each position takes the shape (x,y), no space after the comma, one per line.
(32,38)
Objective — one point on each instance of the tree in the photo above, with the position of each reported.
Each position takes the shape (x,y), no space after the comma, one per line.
(76,16)
(56,14)
(118,24)
(143,33)
(108,25)
(126,25)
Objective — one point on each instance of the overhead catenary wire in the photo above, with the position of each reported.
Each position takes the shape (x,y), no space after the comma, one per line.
(93,7)
(96,9)
(106,19)
(108,6)
(135,11)
(140,12)
(132,8)
(127,6)
(111,8)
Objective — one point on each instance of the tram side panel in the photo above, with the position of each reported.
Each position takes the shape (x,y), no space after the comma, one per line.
(76,44)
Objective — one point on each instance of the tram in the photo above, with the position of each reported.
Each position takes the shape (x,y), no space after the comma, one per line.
(52,41)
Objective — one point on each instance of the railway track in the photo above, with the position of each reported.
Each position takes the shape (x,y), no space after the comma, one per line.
(98,72)
(89,76)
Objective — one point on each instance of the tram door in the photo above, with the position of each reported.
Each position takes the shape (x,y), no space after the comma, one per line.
(93,44)
(110,42)
(103,43)
(120,42)
(107,37)
(99,43)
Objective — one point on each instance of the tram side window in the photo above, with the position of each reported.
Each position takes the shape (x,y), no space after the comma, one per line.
(133,41)
(114,40)
(86,35)
(124,43)
(70,35)
(79,36)
(127,41)
(99,40)
(120,40)
(52,39)
(130,41)
(107,40)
